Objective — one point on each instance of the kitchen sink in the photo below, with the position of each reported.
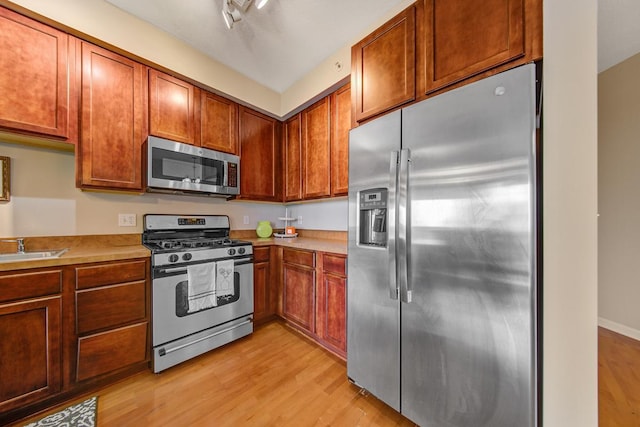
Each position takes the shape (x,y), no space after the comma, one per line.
(32,255)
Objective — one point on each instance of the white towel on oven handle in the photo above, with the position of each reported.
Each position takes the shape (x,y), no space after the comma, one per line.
(225,278)
(201,287)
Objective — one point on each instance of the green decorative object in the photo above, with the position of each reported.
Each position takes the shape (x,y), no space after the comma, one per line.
(264,229)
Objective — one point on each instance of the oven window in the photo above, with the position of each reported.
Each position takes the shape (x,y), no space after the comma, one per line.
(182,297)
(180,166)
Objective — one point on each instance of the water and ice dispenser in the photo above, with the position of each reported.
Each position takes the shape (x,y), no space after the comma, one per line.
(373,217)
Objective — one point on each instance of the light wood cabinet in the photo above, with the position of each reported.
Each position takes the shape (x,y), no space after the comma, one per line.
(340,126)
(260,156)
(316,150)
(292,167)
(37,95)
(218,123)
(172,108)
(298,291)
(461,38)
(383,72)
(31,331)
(113,104)
(331,298)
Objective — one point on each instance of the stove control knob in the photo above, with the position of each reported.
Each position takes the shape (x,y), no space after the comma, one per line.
(186,256)
(231,251)
(173,258)
(241,251)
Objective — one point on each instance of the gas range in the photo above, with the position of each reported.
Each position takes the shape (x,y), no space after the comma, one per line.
(187,239)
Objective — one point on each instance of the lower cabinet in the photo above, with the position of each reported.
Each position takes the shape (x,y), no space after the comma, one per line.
(30,348)
(263,292)
(331,299)
(67,330)
(298,288)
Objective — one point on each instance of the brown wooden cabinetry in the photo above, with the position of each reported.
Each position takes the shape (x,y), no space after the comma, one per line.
(316,150)
(260,156)
(298,288)
(383,67)
(293,158)
(36,89)
(461,38)
(263,290)
(30,327)
(331,297)
(112,317)
(340,126)
(113,104)
(172,104)
(218,123)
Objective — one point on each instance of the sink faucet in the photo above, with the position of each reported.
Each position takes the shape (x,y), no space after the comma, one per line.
(19,241)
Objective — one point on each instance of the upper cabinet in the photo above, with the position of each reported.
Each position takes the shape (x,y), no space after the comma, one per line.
(113,104)
(172,106)
(383,67)
(436,45)
(292,168)
(316,150)
(260,156)
(218,123)
(340,126)
(462,38)
(35,66)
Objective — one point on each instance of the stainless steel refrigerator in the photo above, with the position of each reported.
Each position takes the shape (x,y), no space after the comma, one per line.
(442,267)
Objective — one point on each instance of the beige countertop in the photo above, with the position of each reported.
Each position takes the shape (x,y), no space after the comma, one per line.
(100,248)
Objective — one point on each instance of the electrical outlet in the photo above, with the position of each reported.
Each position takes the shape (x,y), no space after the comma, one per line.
(299,219)
(127,220)
(245,220)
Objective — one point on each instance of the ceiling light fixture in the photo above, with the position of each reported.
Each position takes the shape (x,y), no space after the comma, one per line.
(230,14)
(261,3)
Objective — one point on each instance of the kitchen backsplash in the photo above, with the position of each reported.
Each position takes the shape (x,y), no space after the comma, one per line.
(45,202)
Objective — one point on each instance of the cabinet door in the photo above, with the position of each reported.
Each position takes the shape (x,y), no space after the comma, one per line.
(260,162)
(172,104)
(316,150)
(218,123)
(467,37)
(30,350)
(299,296)
(332,320)
(261,291)
(114,124)
(34,77)
(293,159)
(340,126)
(383,67)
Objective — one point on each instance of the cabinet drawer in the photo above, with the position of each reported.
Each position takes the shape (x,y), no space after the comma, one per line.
(334,264)
(294,256)
(261,254)
(30,285)
(110,306)
(109,274)
(109,351)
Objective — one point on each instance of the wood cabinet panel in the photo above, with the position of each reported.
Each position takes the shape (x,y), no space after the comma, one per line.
(293,158)
(30,351)
(110,273)
(383,67)
(299,257)
(316,150)
(334,264)
(332,320)
(262,308)
(340,126)
(111,350)
(110,306)
(114,120)
(260,154)
(172,108)
(35,77)
(30,285)
(464,37)
(299,296)
(218,123)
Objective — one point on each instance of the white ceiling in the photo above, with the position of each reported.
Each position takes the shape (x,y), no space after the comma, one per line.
(280,43)
(276,45)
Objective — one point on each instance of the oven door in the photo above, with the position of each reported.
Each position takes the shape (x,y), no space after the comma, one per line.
(171,318)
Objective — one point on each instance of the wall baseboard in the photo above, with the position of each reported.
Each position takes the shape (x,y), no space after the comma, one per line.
(619,328)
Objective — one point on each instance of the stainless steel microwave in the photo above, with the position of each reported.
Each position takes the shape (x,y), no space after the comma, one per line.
(173,167)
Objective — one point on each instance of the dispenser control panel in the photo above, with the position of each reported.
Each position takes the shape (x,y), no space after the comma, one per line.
(373,217)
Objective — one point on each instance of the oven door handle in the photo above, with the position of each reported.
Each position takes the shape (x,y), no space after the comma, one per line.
(183,269)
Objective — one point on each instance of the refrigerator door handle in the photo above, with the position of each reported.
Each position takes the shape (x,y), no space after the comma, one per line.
(391,227)
(403,223)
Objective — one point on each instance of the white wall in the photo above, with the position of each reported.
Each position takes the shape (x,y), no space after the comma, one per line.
(619,198)
(570,396)
(45,202)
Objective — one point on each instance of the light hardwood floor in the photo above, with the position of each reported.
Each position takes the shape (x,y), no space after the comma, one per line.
(276,377)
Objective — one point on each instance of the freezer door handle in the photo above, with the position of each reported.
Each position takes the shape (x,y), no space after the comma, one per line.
(404,217)
(391,227)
